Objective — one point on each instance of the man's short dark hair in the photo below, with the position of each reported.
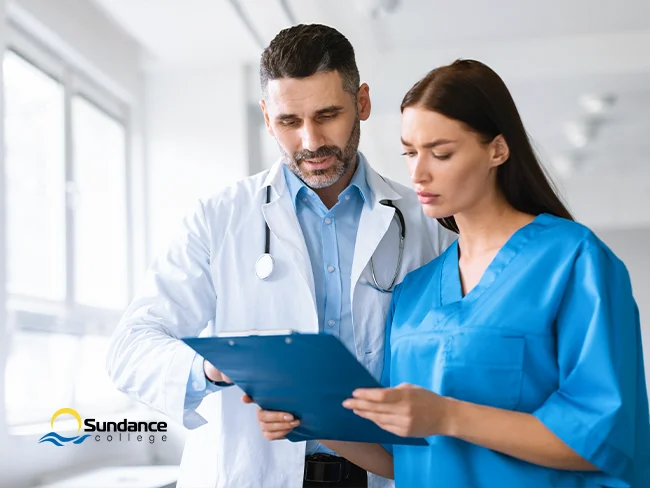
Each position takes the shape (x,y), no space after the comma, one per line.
(304,50)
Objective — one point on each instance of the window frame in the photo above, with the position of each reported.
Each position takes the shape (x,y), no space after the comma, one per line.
(35,314)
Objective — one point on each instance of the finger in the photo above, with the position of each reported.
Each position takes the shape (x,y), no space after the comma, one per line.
(383,420)
(356,404)
(285,427)
(406,386)
(383,423)
(373,394)
(247,399)
(226,379)
(274,436)
(273,416)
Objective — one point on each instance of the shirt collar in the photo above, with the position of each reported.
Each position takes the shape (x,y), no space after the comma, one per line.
(297,187)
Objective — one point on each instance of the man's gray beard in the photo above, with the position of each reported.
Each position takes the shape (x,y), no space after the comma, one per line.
(324,178)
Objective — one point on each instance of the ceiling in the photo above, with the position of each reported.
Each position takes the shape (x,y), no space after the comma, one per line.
(206,30)
(550,54)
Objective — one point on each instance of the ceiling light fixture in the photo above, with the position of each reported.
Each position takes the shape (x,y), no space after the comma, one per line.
(597,104)
(377,8)
(568,164)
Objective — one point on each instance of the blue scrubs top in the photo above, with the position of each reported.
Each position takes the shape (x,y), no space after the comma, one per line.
(552,330)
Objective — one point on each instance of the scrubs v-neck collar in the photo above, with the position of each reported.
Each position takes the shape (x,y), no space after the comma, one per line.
(450,284)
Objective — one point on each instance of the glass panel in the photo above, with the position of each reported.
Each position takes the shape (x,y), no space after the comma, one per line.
(40,374)
(35,171)
(46,372)
(94,391)
(100,239)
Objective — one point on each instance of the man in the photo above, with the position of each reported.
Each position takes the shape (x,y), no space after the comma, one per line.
(334,239)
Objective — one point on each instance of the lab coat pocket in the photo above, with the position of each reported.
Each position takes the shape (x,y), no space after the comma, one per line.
(484,367)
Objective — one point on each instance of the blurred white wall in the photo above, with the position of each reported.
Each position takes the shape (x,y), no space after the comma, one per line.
(4,438)
(196,131)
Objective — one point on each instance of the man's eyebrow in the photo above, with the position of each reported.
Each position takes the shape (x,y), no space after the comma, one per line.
(322,111)
(330,109)
(286,116)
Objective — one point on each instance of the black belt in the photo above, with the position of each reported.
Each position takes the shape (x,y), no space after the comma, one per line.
(328,469)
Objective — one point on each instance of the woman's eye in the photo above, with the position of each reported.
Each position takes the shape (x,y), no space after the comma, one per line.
(442,157)
(409,154)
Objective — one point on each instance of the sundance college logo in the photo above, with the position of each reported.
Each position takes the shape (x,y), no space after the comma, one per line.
(123,431)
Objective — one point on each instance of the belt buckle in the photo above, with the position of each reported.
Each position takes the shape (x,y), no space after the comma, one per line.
(324,471)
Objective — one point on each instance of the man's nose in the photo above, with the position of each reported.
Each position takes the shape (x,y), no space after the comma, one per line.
(312,139)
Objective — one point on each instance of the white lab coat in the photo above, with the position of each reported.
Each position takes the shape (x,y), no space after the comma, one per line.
(208,275)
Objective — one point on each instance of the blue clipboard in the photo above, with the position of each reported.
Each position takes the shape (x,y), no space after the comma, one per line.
(307,375)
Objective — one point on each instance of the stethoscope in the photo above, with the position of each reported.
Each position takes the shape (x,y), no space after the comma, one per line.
(265,264)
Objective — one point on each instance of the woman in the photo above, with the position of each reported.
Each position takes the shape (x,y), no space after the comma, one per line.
(516,353)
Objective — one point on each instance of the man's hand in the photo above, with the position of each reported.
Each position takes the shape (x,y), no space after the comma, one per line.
(213,374)
(274,425)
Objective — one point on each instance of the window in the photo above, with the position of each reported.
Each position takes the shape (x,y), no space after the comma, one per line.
(48,371)
(68,240)
(100,237)
(35,179)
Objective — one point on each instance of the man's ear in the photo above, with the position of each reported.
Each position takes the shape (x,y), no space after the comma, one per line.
(267,121)
(363,102)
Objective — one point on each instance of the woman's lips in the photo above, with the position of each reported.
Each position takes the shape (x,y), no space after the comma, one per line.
(427,198)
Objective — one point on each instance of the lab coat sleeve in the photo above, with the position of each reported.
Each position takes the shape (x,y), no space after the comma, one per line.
(146,358)
(197,385)
(598,334)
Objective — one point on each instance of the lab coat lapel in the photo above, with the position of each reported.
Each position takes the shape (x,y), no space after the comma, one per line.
(281,218)
(374,223)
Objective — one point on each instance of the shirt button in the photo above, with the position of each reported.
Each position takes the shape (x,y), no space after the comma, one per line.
(195,385)
(330,269)
(331,323)
(328,221)
(347,197)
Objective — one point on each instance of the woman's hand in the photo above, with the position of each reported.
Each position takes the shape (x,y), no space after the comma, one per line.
(274,425)
(407,410)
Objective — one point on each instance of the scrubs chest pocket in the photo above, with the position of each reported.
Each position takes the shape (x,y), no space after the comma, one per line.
(483,367)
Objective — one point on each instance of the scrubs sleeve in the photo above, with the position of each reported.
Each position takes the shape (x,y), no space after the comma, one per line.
(385,376)
(598,334)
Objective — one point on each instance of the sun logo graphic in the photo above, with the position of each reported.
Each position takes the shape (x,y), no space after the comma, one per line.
(59,440)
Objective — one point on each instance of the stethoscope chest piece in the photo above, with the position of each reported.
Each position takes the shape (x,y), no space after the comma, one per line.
(264,266)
